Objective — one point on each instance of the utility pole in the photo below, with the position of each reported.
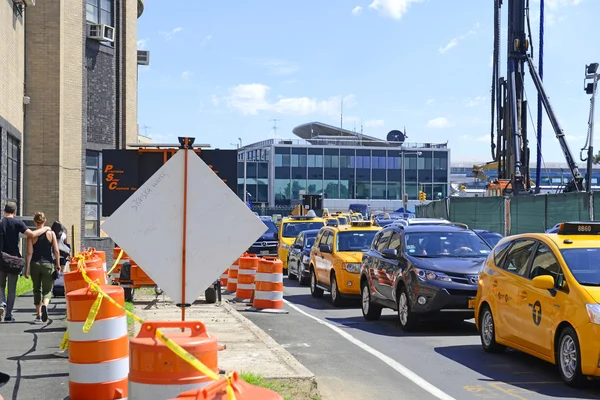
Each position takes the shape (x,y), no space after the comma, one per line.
(274,120)
(342,116)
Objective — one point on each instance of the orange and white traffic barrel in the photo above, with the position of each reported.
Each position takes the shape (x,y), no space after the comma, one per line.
(232,276)
(224,277)
(269,284)
(248,265)
(74,279)
(98,359)
(157,372)
(102,255)
(218,391)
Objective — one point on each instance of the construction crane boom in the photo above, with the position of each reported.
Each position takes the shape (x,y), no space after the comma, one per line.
(511,151)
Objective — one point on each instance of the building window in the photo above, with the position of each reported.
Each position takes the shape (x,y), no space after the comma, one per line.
(99,12)
(12,168)
(93,193)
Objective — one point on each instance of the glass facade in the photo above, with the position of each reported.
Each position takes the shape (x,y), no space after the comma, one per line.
(342,173)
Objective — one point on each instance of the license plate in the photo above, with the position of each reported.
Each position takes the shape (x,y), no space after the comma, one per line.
(471,303)
(264,252)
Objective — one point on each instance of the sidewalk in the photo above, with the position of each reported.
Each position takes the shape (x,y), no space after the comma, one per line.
(27,352)
(248,348)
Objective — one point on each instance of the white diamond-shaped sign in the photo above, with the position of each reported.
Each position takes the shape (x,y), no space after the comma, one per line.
(149,227)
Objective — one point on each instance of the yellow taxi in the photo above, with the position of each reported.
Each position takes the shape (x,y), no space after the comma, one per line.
(290,228)
(335,260)
(539,293)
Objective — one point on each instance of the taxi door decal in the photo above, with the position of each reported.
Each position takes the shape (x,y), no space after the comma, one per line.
(536,312)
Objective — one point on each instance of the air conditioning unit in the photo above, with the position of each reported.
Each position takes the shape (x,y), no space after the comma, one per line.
(101,32)
(143,57)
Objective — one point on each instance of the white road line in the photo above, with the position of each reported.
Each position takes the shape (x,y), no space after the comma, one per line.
(401,369)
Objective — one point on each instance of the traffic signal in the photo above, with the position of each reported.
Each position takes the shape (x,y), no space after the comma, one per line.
(422,195)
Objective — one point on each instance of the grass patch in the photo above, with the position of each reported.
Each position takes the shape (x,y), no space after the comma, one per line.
(289,389)
(130,320)
(23,286)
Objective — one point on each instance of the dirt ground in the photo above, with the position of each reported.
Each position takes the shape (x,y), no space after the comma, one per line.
(295,389)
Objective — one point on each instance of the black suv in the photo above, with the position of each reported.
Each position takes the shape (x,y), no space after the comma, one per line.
(421,271)
(267,244)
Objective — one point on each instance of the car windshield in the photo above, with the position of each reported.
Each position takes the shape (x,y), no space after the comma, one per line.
(584,265)
(445,244)
(308,242)
(342,221)
(293,229)
(272,227)
(355,240)
(491,238)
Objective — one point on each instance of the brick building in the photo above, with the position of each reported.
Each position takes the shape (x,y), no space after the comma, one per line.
(68,89)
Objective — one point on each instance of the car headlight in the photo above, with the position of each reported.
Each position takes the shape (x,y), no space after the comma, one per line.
(305,259)
(353,268)
(427,275)
(285,246)
(593,312)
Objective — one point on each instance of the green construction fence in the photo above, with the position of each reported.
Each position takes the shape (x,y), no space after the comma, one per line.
(514,215)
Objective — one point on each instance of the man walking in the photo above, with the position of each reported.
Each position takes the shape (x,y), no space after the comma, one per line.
(10,229)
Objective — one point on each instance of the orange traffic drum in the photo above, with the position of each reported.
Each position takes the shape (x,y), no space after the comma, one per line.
(74,279)
(218,391)
(156,372)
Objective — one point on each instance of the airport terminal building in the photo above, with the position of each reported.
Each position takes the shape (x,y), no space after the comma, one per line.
(341,164)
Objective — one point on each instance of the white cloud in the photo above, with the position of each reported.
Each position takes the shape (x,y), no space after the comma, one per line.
(430,102)
(440,122)
(357,10)
(555,10)
(142,44)
(186,75)
(394,9)
(251,99)
(215,100)
(475,101)
(374,123)
(454,41)
(169,35)
(206,40)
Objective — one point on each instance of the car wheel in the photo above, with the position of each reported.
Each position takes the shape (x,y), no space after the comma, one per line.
(291,276)
(406,318)
(569,358)
(315,291)
(301,278)
(487,332)
(336,296)
(370,310)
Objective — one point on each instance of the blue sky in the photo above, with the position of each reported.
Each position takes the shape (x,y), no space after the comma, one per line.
(223,70)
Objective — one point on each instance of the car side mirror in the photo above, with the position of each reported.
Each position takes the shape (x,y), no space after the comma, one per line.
(325,248)
(276,236)
(543,282)
(390,254)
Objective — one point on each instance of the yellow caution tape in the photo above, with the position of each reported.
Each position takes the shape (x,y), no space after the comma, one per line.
(65,341)
(93,313)
(116,262)
(190,359)
(174,347)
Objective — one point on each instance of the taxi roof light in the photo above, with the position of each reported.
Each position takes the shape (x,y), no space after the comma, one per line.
(579,228)
(362,223)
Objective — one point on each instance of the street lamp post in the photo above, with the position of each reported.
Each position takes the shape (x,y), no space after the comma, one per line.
(591,72)
(245,192)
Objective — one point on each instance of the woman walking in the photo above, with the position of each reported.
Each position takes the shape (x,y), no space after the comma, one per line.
(43,259)
(64,247)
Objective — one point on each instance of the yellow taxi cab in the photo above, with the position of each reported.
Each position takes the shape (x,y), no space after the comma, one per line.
(290,228)
(539,293)
(335,260)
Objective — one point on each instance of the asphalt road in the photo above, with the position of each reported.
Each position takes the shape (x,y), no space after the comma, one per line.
(356,359)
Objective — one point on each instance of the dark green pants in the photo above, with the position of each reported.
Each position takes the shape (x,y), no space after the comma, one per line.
(41,276)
